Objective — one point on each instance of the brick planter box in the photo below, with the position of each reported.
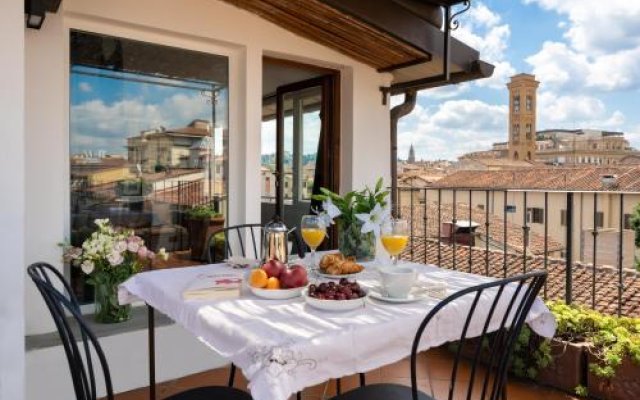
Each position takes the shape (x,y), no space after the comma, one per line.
(625,384)
(568,368)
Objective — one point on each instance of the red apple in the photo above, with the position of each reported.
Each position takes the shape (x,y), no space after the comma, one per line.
(286,279)
(299,276)
(273,268)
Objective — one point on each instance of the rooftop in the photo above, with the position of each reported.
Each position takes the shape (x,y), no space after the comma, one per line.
(584,178)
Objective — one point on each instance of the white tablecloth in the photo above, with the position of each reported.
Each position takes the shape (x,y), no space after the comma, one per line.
(285,346)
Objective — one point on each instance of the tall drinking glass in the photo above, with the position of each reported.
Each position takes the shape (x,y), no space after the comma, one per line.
(314,230)
(395,237)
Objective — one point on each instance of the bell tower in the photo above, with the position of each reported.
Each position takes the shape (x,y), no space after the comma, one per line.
(522,117)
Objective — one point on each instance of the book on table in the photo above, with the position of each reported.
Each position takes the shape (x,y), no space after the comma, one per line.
(213,286)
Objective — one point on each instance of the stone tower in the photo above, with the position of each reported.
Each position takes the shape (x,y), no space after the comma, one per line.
(412,155)
(522,117)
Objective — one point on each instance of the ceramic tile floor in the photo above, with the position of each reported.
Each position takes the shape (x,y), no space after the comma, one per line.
(436,371)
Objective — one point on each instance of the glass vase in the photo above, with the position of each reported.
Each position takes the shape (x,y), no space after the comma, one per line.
(353,243)
(107,309)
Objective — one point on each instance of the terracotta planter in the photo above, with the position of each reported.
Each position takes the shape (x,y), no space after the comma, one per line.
(624,385)
(568,368)
(199,232)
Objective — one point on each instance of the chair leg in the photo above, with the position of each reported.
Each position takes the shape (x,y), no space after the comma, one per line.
(232,375)
(362,379)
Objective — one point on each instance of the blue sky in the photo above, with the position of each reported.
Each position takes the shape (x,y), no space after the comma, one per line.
(585,53)
(105,111)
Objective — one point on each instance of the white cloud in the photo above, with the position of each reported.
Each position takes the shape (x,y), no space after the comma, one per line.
(453,128)
(575,111)
(483,30)
(601,50)
(85,87)
(98,125)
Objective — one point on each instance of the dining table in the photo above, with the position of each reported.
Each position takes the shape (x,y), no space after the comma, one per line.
(284,346)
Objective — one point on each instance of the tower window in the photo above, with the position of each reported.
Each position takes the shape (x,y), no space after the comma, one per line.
(516,103)
(528,131)
(529,103)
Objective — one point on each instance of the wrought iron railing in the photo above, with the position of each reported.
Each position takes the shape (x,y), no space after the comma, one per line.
(583,239)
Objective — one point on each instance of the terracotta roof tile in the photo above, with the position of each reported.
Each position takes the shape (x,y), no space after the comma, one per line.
(548,178)
(606,278)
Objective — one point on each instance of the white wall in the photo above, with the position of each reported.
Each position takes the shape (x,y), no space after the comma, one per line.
(203,25)
(12,163)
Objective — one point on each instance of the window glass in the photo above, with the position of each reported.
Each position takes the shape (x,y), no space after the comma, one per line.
(148,138)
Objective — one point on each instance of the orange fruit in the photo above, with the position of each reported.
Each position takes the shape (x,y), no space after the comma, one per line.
(273,283)
(258,278)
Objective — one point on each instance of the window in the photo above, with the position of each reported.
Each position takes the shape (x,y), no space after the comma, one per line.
(148,139)
(511,209)
(529,103)
(627,221)
(563,217)
(599,219)
(516,103)
(535,215)
(528,131)
(480,207)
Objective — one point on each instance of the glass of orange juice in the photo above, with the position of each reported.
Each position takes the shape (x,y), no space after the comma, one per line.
(314,230)
(394,235)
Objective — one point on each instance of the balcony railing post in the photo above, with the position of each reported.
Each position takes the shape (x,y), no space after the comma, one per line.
(453,229)
(569,250)
(504,238)
(546,238)
(426,224)
(525,233)
(620,255)
(412,218)
(486,232)
(595,250)
(470,237)
(439,227)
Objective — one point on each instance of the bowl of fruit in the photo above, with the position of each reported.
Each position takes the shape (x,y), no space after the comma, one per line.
(275,281)
(331,296)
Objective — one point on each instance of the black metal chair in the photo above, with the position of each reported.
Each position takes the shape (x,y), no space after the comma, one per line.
(74,329)
(245,241)
(493,383)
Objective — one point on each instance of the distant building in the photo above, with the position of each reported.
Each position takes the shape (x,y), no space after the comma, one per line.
(412,155)
(583,146)
(522,117)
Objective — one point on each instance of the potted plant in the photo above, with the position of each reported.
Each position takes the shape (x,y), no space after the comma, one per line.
(614,358)
(567,368)
(202,221)
(109,257)
(359,215)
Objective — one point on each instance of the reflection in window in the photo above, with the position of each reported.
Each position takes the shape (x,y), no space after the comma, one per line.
(148,138)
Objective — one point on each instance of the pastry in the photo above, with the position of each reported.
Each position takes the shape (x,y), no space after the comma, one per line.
(338,264)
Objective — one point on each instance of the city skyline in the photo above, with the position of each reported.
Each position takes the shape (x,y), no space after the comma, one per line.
(582,53)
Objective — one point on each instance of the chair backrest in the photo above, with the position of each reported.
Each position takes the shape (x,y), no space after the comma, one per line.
(65,311)
(509,302)
(244,241)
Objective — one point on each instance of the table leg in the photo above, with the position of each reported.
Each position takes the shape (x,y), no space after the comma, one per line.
(151,329)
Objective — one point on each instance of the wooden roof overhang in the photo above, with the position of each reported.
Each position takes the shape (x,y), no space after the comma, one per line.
(388,35)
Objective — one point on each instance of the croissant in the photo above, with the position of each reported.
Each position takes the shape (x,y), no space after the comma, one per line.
(338,264)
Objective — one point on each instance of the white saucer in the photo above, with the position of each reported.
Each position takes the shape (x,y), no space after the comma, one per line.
(415,295)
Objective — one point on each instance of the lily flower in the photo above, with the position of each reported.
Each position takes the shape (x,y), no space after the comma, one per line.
(375,219)
(331,211)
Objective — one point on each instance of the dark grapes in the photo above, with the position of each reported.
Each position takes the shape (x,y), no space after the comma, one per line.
(343,290)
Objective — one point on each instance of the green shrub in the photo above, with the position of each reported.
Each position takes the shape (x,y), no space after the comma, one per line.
(202,212)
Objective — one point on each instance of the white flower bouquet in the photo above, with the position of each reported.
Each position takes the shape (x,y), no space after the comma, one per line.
(109,257)
(359,215)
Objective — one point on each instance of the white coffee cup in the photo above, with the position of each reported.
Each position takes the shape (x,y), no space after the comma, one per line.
(397,282)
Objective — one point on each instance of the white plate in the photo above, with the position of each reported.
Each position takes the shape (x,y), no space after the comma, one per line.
(334,305)
(415,295)
(277,294)
(329,276)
